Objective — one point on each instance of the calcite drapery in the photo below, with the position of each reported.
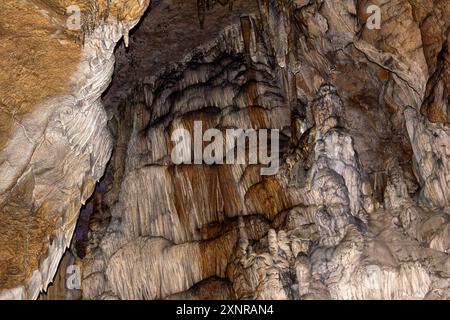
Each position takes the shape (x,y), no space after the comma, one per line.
(363,183)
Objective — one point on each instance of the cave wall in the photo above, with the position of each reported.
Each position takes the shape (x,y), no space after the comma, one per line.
(359,208)
(56,144)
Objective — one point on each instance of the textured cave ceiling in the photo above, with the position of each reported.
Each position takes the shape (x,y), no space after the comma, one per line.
(169,32)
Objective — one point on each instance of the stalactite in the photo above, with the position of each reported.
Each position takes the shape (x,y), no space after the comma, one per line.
(204,6)
(126,34)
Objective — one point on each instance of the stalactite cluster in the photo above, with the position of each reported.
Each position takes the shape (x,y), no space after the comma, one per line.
(203,6)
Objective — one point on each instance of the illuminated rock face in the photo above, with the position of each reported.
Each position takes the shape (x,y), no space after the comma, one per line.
(57,143)
(359,208)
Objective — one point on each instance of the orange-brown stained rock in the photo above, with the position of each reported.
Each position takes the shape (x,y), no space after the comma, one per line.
(205,198)
(383,74)
(38,54)
(437,111)
(258,117)
(435,106)
(256,114)
(216,254)
(434,20)
(21,233)
(232,203)
(246,33)
(36,59)
(267,198)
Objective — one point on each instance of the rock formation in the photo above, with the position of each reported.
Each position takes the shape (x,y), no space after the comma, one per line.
(55,142)
(358,209)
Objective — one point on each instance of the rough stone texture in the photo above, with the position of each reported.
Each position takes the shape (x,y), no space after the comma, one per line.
(57,149)
(359,208)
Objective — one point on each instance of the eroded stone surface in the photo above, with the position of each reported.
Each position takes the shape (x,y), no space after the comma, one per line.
(363,183)
(58,147)
(360,206)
